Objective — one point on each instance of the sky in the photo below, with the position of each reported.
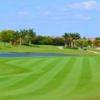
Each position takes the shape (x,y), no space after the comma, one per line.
(52,17)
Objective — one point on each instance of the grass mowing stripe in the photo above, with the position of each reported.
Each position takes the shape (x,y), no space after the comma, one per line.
(46,77)
(30,64)
(95,65)
(57,80)
(14,62)
(92,90)
(72,80)
(11,80)
(26,63)
(4,79)
(86,74)
(11,70)
(20,79)
(33,77)
(84,81)
(68,89)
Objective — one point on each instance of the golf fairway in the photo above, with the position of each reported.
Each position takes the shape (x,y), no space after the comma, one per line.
(50,78)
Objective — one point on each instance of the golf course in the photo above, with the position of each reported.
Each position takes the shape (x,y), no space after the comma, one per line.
(49,50)
(49,72)
(50,78)
(63,65)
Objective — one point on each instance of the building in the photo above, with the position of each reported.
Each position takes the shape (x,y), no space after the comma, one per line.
(91,39)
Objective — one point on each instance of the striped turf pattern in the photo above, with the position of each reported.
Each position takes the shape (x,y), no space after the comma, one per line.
(50,78)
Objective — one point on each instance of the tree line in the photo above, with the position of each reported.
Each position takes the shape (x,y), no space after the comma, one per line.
(29,37)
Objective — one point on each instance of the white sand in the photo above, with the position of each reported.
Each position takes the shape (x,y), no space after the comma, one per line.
(60,47)
(98,48)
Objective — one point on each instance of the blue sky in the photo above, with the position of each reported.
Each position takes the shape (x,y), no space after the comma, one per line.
(52,17)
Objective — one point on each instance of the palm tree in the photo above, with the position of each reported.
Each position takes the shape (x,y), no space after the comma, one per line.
(75,36)
(20,35)
(70,39)
(67,38)
(30,34)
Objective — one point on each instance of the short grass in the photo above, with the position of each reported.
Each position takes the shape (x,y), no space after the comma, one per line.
(95,49)
(50,78)
(41,49)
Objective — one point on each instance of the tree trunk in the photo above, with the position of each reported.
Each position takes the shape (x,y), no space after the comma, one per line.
(20,41)
(66,44)
(70,44)
(29,42)
(73,43)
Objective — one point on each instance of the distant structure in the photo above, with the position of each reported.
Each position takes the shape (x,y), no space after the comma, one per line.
(91,39)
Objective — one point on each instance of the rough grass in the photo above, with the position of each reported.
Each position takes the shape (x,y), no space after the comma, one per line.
(50,78)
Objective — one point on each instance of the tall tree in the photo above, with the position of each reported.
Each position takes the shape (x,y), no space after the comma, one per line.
(97,42)
(70,39)
(75,36)
(67,39)
(7,36)
(30,34)
(20,36)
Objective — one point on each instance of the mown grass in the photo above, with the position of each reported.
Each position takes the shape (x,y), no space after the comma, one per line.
(50,78)
(95,49)
(42,49)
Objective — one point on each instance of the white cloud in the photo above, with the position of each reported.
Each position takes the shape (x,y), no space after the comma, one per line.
(23,13)
(82,17)
(87,5)
(46,13)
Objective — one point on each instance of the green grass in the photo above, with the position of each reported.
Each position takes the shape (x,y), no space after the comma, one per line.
(50,78)
(42,49)
(94,49)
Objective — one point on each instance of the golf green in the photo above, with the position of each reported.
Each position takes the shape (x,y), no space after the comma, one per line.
(50,78)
